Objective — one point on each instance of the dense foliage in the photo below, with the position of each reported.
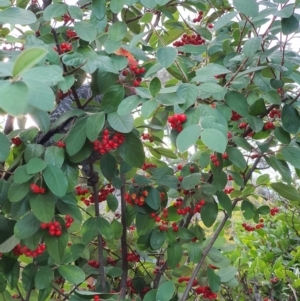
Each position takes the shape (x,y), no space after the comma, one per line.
(181,183)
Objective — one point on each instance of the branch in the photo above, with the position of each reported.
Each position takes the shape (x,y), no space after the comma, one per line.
(9,124)
(124,252)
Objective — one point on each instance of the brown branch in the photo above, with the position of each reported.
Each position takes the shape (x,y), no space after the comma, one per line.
(9,124)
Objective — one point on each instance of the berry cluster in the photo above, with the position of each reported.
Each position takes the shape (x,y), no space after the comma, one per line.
(146,136)
(37,189)
(206,292)
(134,199)
(225,156)
(274,211)
(228,190)
(111,261)
(16,141)
(187,279)
(93,263)
(60,144)
(175,227)
(199,17)
(194,39)
(102,195)
(275,113)
(235,116)
(69,220)
(198,206)
(229,135)
(54,228)
(133,257)
(242,125)
(229,177)
(135,71)
(71,34)
(214,160)
(269,126)
(176,121)
(108,142)
(23,250)
(81,191)
(250,228)
(148,165)
(67,18)
(64,47)
(97,298)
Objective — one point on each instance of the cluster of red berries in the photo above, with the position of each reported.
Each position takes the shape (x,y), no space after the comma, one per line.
(108,142)
(133,257)
(71,34)
(37,189)
(228,190)
(94,263)
(146,136)
(235,116)
(103,193)
(175,227)
(60,144)
(274,211)
(206,292)
(199,17)
(269,126)
(198,206)
(134,199)
(135,71)
(64,47)
(111,261)
(69,220)
(54,228)
(275,113)
(16,141)
(250,228)
(67,18)
(23,250)
(229,177)
(225,156)
(214,160)
(194,39)
(187,279)
(176,121)
(148,165)
(97,298)
(81,191)
(229,135)
(242,125)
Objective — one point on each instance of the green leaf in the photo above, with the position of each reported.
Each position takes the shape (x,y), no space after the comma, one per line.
(41,119)
(27,59)
(76,138)
(5,147)
(33,151)
(153,198)
(112,202)
(282,136)
(289,25)
(85,31)
(225,202)
(165,291)
(214,139)
(236,157)
(94,125)
(9,244)
(73,252)
(188,137)
(122,124)
(208,73)
(191,181)
(35,165)
(55,180)
(28,274)
(166,152)
(68,205)
(55,156)
(112,98)
(54,10)
(214,280)
(27,226)
(16,15)
(255,123)
(226,274)
(290,119)
(105,228)
(212,89)
(189,93)
(225,19)
(72,273)
(21,176)
(108,166)
(248,209)
(46,74)
(116,6)
(14,97)
(249,8)
(209,213)
(286,191)
(292,155)
(148,108)
(56,246)
(43,206)
(99,9)
(89,230)
(263,179)
(166,56)
(128,105)
(43,277)
(157,238)
(132,151)
(17,192)
(117,31)
(237,102)
(155,86)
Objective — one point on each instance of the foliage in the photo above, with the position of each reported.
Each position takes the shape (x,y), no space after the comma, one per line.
(133,197)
